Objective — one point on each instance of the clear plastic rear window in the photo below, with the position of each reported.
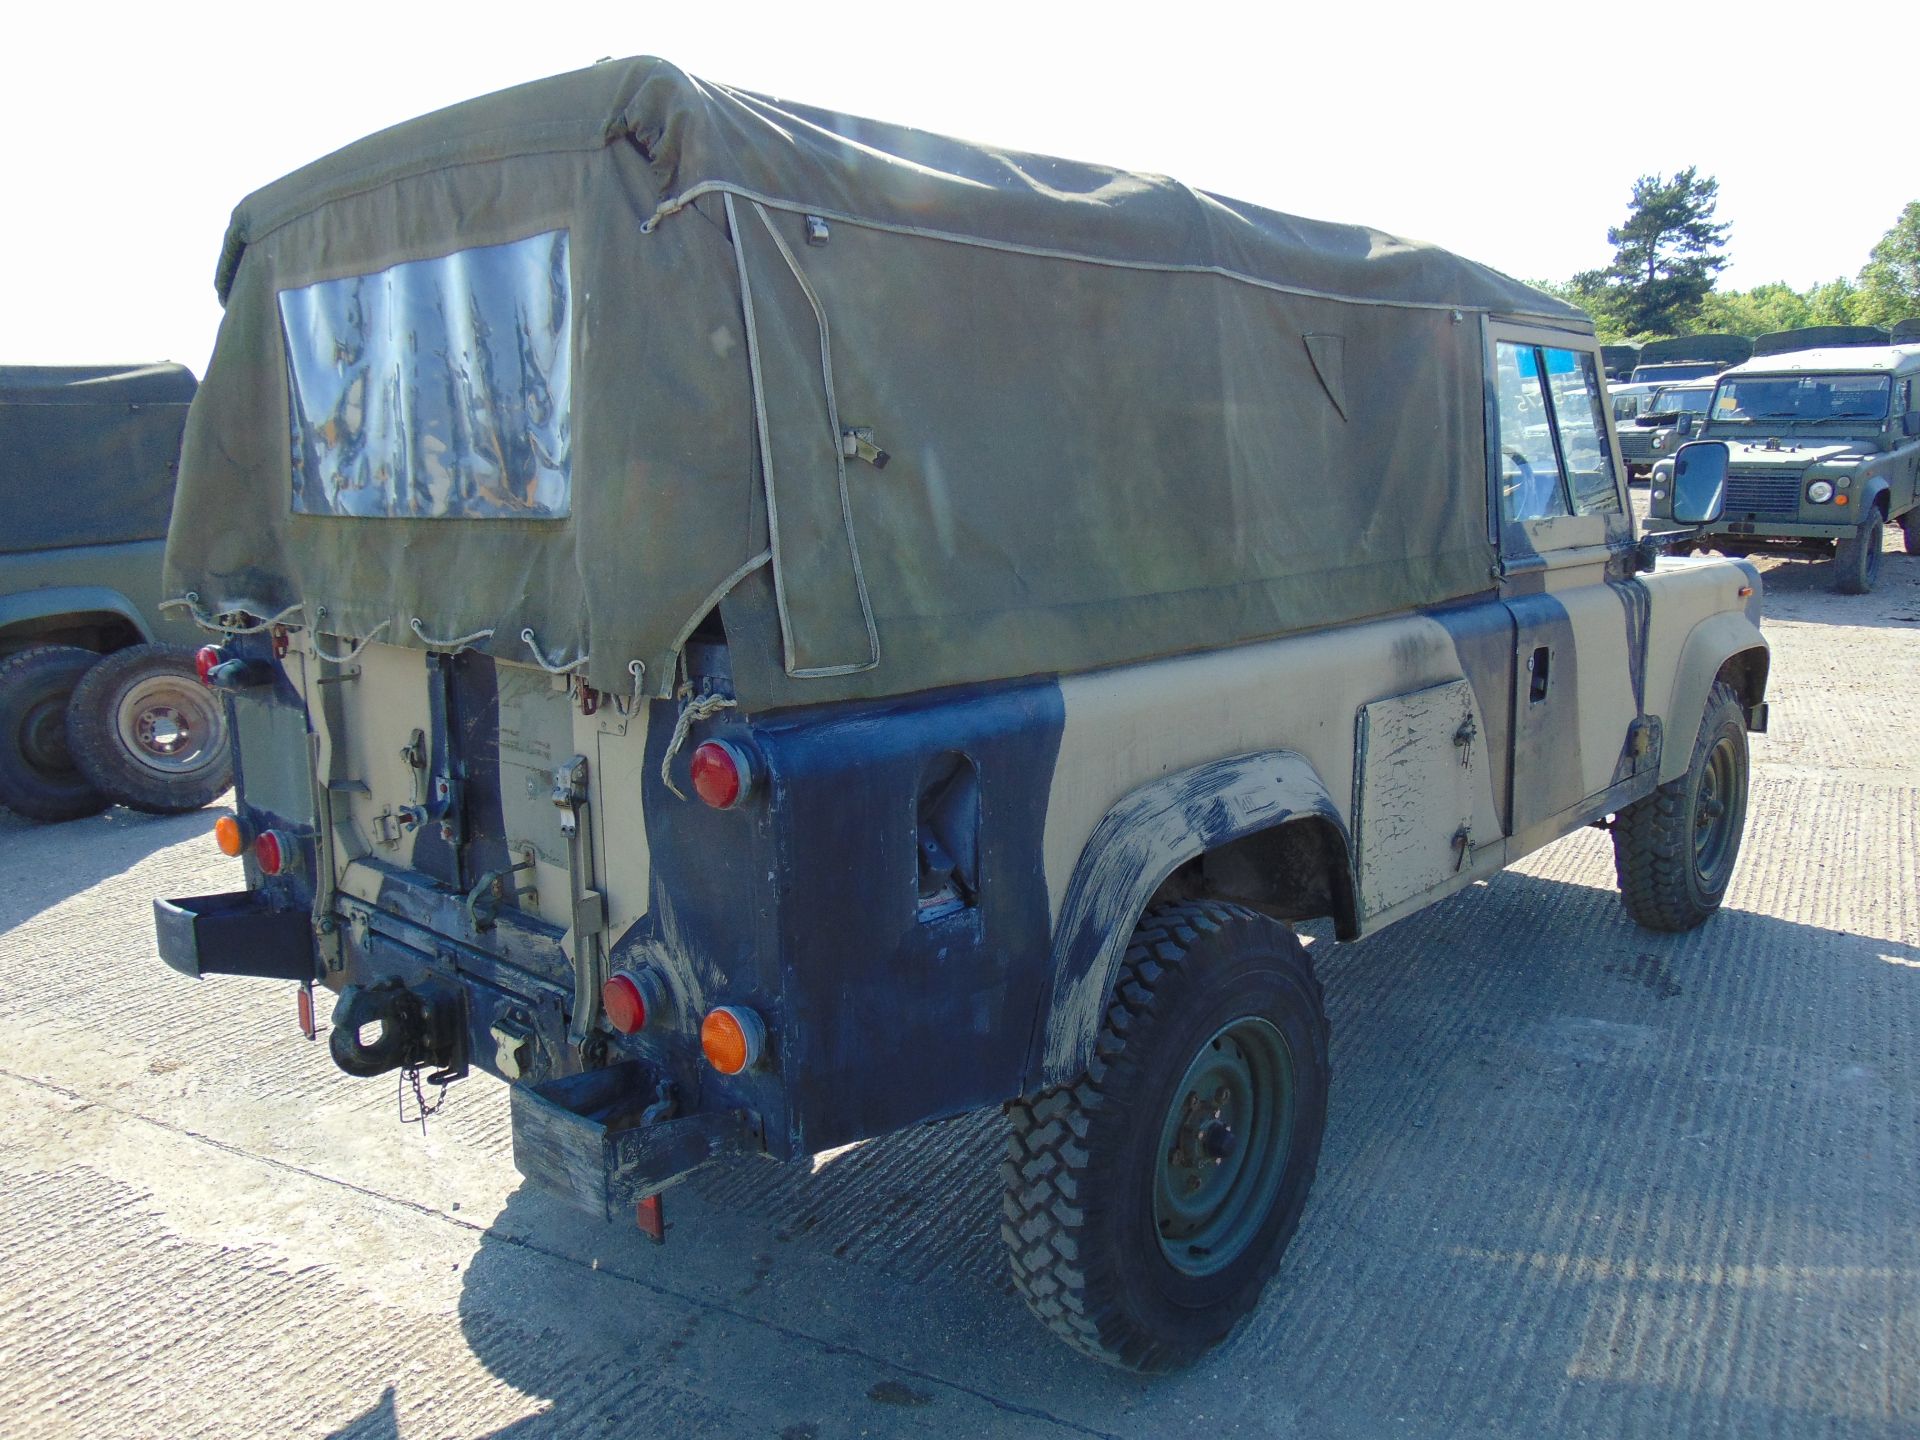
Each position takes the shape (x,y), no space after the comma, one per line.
(435,389)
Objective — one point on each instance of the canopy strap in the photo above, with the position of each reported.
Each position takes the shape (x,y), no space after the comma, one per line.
(691,714)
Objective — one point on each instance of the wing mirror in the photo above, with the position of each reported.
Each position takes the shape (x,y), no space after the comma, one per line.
(1699,482)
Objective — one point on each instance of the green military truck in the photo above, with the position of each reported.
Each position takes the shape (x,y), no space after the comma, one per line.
(1824,453)
(763,628)
(99,699)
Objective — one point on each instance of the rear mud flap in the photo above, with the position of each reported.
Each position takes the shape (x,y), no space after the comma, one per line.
(237,933)
(606,1139)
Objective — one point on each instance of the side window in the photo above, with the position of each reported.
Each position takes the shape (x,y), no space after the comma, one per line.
(1552,444)
(1583,439)
(1531,486)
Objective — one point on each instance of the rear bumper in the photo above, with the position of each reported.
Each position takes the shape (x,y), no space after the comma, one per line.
(606,1139)
(236,933)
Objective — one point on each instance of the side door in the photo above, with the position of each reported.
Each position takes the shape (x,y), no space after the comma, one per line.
(1904,478)
(1565,537)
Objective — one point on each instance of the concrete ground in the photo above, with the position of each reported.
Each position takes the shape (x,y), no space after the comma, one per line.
(1579,1179)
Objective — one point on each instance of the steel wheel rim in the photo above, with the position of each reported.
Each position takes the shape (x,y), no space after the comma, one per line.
(1224,1142)
(170,726)
(1713,809)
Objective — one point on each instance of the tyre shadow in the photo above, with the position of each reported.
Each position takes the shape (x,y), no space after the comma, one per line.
(48,863)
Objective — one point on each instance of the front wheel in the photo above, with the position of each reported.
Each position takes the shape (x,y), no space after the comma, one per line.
(1856,559)
(1674,850)
(1149,1202)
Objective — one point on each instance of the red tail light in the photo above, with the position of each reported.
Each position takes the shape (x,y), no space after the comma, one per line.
(274,852)
(722,774)
(204,661)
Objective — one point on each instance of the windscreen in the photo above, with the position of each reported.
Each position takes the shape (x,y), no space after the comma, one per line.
(1808,398)
(435,389)
(1667,402)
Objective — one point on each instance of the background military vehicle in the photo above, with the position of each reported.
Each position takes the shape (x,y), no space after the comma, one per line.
(1688,357)
(923,653)
(1824,446)
(1817,337)
(87,462)
(1662,422)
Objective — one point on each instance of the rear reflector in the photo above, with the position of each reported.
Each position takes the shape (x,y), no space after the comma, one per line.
(205,659)
(732,1038)
(625,1005)
(274,853)
(230,835)
(722,774)
(305,1007)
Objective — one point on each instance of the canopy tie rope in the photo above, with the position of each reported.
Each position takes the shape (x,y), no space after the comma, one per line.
(637,669)
(552,667)
(354,653)
(459,642)
(190,602)
(691,713)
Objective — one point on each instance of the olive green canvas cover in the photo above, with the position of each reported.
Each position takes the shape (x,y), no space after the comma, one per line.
(1123,418)
(88,453)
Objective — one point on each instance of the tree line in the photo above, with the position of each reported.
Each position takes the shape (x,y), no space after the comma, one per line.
(1669,250)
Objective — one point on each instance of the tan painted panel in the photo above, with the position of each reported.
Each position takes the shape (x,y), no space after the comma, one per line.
(1129,726)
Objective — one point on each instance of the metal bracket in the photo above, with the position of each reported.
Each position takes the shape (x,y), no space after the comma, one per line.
(588,905)
(859,444)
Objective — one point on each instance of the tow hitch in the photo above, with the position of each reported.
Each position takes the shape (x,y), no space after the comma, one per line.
(423,1026)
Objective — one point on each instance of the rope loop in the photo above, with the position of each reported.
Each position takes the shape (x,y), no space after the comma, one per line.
(459,642)
(354,653)
(552,667)
(691,714)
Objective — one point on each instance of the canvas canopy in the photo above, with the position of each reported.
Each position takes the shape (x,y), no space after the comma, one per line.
(566,366)
(88,453)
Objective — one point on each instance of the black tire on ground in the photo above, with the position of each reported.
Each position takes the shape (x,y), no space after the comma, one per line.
(1856,559)
(1910,531)
(38,779)
(1675,850)
(145,731)
(1114,1182)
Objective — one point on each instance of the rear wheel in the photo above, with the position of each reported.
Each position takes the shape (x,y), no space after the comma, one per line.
(1910,531)
(146,732)
(1149,1202)
(1856,559)
(38,778)
(1674,851)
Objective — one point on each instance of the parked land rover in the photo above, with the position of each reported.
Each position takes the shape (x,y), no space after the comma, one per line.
(1665,421)
(99,701)
(1824,451)
(763,628)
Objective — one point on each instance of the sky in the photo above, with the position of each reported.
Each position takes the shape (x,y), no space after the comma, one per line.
(1511,133)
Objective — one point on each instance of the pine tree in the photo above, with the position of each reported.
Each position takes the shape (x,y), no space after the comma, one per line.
(1666,254)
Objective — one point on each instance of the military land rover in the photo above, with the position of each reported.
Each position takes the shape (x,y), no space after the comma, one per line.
(763,628)
(1664,422)
(1824,452)
(98,698)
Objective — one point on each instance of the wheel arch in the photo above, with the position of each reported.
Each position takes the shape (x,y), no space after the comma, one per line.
(95,617)
(1727,646)
(1260,828)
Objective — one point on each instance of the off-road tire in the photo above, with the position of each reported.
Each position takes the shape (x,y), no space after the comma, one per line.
(1856,559)
(1910,531)
(111,731)
(1084,1159)
(1666,883)
(38,779)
